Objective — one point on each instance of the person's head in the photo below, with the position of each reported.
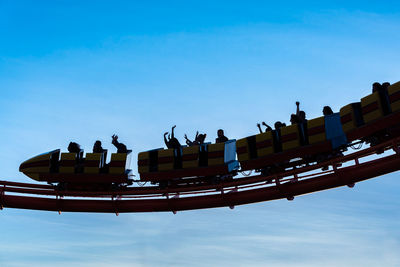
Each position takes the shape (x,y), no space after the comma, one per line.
(293,119)
(220,133)
(327,111)
(201,138)
(376,86)
(73,147)
(278,125)
(97,143)
(385,85)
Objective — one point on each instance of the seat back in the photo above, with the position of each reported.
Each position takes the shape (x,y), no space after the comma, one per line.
(372,109)
(351,117)
(394,96)
(166,160)
(68,162)
(216,154)
(242,150)
(190,157)
(120,162)
(316,130)
(94,162)
(290,137)
(264,144)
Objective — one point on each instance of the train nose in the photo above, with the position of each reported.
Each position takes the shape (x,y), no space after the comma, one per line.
(33,167)
(23,167)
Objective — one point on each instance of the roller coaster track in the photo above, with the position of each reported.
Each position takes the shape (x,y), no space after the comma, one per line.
(344,171)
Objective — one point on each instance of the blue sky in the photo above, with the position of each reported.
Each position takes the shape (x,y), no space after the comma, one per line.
(84,71)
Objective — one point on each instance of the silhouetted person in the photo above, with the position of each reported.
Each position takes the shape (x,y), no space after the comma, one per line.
(199,139)
(172,142)
(300,114)
(279,125)
(302,117)
(97,148)
(327,111)
(121,148)
(385,85)
(376,87)
(294,119)
(221,137)
(268,128)
(74,147)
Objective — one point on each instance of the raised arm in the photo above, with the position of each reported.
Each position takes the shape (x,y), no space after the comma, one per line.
(268,127)
(172,131)
(188,142)
(259,127)
(114,140)
(297,108)
(165,139)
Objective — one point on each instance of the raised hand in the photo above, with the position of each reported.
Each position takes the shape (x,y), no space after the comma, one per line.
(165,133)
(297,103)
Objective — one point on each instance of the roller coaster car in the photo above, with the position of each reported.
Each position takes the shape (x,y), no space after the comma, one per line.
(274,150)
(373,120)
(214,161)
(74,170)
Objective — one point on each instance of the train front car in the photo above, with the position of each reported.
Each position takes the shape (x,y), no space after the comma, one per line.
(72,171)
(206,163)
(273,151)
(41,164)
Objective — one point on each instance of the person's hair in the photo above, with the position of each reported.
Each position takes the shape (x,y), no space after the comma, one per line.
(220,131)
(302,114)
(278,125)
(294,118)
(376,86)
(73,147)
(385,85)
(202,137)
(327,110)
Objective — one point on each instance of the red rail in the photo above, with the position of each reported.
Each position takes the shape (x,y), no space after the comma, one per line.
(237,192)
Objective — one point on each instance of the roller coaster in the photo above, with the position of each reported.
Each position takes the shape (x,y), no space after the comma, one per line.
(286,162)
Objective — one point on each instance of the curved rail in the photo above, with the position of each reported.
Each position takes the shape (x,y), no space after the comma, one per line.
(236,192)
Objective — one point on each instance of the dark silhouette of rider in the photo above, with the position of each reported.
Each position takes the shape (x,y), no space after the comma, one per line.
(385,85)
(74,147)
(376,87)
(327,111)
(171,142)
(121,148)
(221,137)
(268,128)
(199,139)
(300,114)
(97,148)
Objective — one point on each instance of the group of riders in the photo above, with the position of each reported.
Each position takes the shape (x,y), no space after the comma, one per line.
(173,143)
